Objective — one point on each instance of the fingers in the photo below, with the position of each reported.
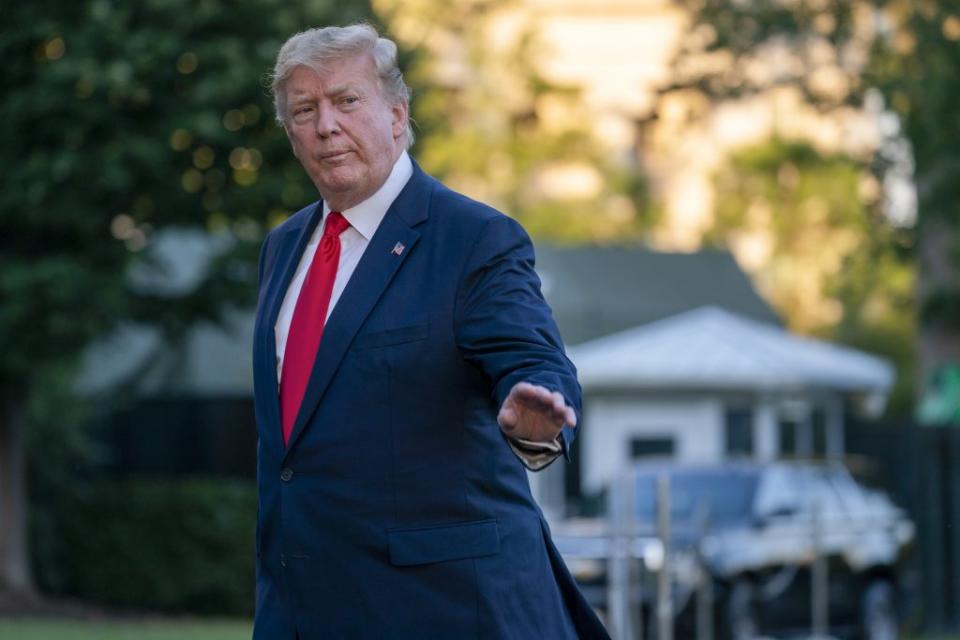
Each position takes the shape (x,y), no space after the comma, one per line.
(528,392)
(534,395)
(569,416)
(507,418)
(563,412)
(541,400)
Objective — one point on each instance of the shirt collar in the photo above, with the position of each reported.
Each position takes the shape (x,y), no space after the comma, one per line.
(366,216)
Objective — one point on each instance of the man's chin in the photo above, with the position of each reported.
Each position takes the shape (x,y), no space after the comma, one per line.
(339,180)
(341,193)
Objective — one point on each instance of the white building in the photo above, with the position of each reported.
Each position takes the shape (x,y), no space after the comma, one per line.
(708,384)
(679,356)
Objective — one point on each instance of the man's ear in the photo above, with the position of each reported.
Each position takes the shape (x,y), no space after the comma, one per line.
(400,112)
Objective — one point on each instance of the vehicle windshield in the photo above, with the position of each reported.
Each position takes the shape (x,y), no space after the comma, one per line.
(724,498)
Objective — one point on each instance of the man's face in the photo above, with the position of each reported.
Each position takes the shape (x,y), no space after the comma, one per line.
(345,134)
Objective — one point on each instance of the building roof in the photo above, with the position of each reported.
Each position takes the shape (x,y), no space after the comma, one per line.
(595,291)
(712,348)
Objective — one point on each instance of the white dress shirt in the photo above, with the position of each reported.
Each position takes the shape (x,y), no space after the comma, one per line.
(364,220)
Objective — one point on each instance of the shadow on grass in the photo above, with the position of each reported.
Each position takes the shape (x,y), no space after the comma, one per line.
(127,629)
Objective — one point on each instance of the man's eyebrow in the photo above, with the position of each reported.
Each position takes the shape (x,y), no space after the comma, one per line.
(339,89)
(300,97)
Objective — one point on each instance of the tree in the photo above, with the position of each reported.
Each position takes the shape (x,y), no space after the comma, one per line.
(877,57)
(121,120)
(494,127)
(835,265)
(916,63)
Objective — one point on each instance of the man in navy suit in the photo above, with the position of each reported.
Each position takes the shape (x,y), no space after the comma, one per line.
(407,370)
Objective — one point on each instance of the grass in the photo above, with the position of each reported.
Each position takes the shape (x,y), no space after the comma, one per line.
(150,629)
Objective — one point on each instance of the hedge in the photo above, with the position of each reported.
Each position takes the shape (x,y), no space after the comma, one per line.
(171,545)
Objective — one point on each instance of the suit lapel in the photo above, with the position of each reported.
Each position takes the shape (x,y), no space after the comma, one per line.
(367,283)
(292,244)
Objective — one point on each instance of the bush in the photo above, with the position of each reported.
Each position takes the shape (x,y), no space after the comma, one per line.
(177,545)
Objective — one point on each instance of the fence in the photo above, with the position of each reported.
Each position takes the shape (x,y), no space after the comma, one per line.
(920,468)
(826,566)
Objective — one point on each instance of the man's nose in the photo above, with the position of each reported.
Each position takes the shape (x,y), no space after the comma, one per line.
(327,124)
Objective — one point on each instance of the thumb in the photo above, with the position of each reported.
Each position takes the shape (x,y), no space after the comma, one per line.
(507,418)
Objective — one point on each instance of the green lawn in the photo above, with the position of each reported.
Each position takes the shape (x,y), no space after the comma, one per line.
(28,629)
(39,629)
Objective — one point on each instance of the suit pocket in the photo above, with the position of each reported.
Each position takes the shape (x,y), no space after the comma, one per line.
(389,337)
(425,545)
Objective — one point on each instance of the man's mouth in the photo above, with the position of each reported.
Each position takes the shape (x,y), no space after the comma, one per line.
(333,156)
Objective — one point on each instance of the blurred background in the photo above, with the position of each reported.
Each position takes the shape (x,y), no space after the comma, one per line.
(747,219)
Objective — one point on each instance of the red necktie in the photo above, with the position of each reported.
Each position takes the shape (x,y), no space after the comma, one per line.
(309,316)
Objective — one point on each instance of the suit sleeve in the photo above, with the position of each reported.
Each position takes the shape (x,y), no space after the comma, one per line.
(504,326)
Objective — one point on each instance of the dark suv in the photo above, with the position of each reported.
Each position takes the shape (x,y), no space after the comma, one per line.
(760,544)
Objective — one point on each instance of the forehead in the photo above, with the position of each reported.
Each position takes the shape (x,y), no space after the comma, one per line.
(357,72)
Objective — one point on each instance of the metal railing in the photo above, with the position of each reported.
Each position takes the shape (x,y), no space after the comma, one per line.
(640,559)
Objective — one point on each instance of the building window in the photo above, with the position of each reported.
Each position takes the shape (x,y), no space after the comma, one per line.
(651,447)
(788,438)
(738,432)
(818,419)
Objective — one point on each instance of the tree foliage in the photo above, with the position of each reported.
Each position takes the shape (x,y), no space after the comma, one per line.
(838,268)
(120,120)
(878,57)
(748,47)
(916,63)
(495,127)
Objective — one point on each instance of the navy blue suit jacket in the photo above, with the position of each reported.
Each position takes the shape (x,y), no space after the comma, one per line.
(398,510)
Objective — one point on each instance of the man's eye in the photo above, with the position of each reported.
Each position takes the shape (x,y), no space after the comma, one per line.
(350,99)
(301,113)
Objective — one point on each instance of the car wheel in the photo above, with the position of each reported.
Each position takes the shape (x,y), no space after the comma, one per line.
(741,611)
(878,611)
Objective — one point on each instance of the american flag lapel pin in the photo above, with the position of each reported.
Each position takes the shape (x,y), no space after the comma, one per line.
(398,249)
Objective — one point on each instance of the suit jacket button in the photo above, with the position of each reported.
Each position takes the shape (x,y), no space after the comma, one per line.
(286,474)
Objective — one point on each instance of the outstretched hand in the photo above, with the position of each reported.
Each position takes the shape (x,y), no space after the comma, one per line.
(532,412)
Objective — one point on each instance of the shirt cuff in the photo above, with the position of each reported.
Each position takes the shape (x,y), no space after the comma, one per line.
(536,455)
